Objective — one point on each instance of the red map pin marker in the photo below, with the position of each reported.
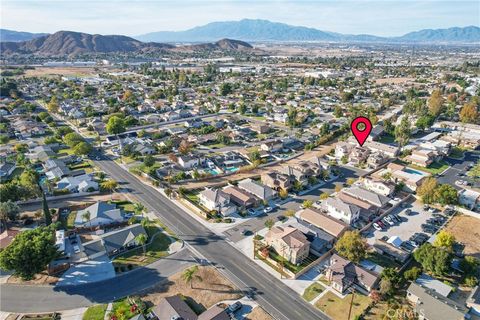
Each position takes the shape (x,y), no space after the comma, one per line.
(361,134)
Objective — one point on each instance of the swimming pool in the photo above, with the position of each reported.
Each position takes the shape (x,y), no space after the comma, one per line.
(412,171)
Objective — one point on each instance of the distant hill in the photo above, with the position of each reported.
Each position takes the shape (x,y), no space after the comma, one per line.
(73,43)
(246,30)
(224,44)
(466,34)
(15,36)
(64,43)
(264,30)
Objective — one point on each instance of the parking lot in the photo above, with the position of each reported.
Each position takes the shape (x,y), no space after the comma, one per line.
(410,224)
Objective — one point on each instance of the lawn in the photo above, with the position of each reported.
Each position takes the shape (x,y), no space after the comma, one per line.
(312,291)
(155,250)
(96,312)
(382,260)
(337,308)
(123,308)
(125,205)
(456,153)
(71,219)
(387,138)
(67,151)
(434,168)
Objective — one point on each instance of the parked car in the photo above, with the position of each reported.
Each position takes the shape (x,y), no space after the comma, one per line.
(251,211)
(389,220)
(408,212)
(246,232)
(234,307)
(377,226)
(76,249)
(381,224)
(267,209)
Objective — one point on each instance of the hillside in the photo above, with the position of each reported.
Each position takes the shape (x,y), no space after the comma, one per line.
(65,43)
(72,43)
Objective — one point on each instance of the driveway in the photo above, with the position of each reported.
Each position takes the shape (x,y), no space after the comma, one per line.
(98,269)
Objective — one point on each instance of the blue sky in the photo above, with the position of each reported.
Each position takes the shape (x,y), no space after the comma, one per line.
(134,17)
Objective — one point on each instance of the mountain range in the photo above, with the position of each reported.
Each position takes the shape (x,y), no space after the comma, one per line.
(15,36)
(63,43)
(264,30)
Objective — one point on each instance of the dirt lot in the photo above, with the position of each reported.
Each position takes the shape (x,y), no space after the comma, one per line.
(61,71)
(394,80)
(258,314)
(40,279)
(466,230)
(212,289)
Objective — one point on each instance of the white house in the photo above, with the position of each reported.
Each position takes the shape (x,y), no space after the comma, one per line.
(469,198)
(83,183)
(189,161)
(379,186)
(340,210)
(217,200)
(100,213)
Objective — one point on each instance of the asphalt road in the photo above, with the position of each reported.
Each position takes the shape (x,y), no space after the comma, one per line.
(26,299)
(274,296)
(277,298)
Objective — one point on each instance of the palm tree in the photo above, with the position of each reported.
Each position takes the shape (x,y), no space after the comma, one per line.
(189,274)
(168,192)
(138,208)
(109,185)
(141,239)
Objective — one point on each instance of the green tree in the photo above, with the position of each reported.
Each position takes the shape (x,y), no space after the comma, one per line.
(115,125)
(9,210)
(413,273)
(30,252)
(307,204)
(72,139)
(403,132)
(83,148)
(475,171)
(109,185)
(46,211)
(149,160)
(433,259)
(189,274)
(351,246)
(141,239)
(138,208)
(269,223)
(324,196)
(446,194)
(225,88)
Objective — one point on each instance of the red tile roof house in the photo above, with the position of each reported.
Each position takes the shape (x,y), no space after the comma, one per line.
(343,274)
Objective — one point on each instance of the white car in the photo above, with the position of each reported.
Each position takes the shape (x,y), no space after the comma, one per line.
(76,249)
(377,226)
(267,209)
(389,221)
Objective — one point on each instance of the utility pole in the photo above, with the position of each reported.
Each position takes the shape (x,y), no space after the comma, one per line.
(352,290)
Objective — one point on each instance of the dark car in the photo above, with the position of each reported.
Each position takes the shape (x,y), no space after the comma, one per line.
(234,307)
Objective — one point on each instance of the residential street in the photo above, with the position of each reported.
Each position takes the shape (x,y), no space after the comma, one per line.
(279,300)
(18,298)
